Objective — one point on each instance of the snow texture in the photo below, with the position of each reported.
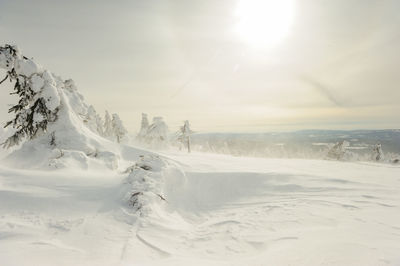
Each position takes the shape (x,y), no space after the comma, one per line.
(202,209)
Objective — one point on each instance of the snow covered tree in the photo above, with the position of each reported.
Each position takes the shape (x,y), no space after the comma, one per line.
(143,127)
(338,151)
(377,153)
(184,135)
(119,130)
(94,121)
(108,128)
(157,133)
(49,117)
(39,99)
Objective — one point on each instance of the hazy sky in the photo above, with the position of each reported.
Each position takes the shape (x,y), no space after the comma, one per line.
(337,65)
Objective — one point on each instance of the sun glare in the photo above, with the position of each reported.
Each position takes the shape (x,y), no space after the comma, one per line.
(264,23)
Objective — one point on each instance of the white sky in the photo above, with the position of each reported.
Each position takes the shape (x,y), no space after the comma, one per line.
(337,68)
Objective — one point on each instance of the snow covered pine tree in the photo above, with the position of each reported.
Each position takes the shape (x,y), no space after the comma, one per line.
(94,121)
(51,119)
(377,153)
(184,135)
(38,98)
(157,133)
(144,127)
(118,128)
(108,129)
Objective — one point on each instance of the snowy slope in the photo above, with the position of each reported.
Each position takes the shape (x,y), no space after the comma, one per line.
(219,210)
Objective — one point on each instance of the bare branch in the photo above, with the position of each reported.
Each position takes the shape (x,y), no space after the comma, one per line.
(4,79)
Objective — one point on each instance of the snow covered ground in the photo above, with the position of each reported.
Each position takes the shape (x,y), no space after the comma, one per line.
(218,210)
(71,195)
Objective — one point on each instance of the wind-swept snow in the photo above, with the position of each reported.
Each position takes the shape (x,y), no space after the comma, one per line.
(70,196)
(217,210)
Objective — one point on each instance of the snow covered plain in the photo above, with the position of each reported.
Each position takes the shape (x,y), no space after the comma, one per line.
(218,210)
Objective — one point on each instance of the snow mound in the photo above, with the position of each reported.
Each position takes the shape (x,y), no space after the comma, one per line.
(145,184)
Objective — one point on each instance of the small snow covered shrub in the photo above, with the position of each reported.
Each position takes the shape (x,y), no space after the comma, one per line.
(393,158)
(338,151)
(145,183)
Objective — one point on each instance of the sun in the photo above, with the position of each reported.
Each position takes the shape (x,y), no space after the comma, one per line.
(264,23)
